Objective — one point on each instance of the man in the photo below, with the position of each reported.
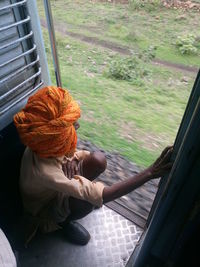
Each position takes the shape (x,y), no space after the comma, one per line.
(56,181)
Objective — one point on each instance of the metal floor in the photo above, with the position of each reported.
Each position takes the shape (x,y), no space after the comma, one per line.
(113,239)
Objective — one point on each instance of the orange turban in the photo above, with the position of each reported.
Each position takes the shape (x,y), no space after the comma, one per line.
(45,124)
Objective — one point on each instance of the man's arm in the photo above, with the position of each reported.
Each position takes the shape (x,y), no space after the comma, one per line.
(156,170)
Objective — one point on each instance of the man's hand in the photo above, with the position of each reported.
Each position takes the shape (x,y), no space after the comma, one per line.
(71,168)
(162,165)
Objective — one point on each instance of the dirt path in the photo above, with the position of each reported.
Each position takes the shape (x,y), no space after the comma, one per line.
(115,47)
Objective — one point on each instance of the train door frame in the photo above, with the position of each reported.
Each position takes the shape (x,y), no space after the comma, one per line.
(174,218)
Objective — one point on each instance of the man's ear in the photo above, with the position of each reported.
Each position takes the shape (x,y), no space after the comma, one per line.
(76,125)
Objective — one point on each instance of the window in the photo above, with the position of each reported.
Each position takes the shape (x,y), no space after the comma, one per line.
(20,70)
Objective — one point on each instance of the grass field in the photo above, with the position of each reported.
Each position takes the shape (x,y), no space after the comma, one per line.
(136,118)
(138,29)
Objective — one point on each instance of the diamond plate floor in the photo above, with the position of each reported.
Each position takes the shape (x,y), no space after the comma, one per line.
(113,239)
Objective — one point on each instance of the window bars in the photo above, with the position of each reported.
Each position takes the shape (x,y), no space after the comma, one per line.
(20,70)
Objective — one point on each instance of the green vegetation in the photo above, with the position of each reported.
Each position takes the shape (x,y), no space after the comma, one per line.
(187,44)
(129,105)
(136,29)
(129,69)
(148,5)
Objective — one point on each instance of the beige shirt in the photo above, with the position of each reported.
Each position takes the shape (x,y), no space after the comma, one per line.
(45,189)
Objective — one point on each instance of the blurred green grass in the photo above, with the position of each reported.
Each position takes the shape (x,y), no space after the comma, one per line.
(135,121)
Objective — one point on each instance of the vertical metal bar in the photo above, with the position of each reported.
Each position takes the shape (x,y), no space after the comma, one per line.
(52,38)
(36,27)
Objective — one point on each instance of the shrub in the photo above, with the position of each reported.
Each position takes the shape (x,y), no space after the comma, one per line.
(129,69)
(150,53)
(148,5)
(187,44)
(197,42)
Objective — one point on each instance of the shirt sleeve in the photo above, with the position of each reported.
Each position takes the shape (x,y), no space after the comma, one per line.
(77,187)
